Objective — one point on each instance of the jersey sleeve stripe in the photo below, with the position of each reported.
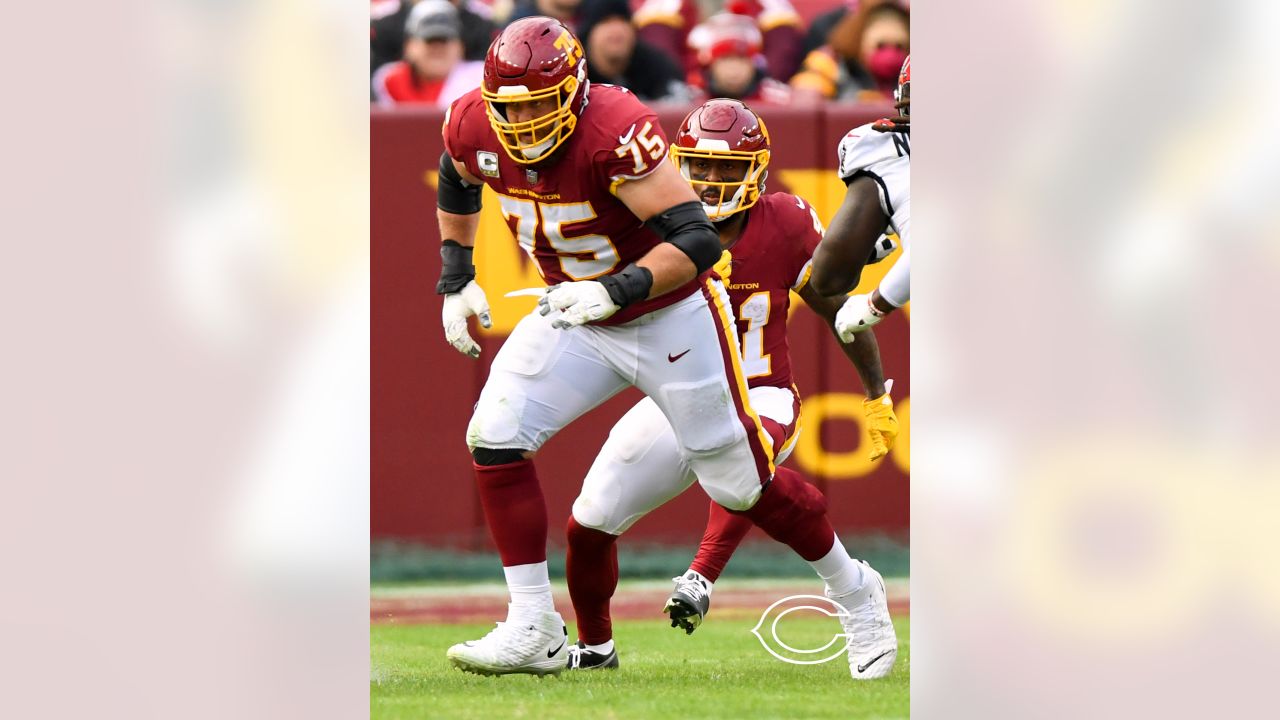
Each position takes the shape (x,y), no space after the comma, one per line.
(617,180)
(759,441)
(803,278)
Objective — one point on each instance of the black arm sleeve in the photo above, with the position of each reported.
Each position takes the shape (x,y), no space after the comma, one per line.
(686,226)
(455,195)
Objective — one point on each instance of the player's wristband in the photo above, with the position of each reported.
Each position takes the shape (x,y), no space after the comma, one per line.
(456,269)
(631,284)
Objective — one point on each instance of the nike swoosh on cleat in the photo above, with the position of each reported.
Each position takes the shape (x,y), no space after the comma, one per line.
(673,358)
(552,653)
(863,668)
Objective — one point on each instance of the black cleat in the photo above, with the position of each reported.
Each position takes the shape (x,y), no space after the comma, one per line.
(580,658)
(689,602)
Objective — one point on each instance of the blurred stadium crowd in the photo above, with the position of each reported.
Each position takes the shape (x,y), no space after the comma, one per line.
(765,52)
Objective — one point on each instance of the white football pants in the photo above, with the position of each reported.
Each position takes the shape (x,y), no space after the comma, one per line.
(684,357)
(641,467)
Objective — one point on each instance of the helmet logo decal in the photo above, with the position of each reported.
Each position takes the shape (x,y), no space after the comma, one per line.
(570,46)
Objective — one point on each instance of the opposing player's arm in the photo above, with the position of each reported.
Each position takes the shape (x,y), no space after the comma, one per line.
(862,351)
(850,238)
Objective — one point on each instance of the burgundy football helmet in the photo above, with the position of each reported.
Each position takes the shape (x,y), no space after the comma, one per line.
(534,59)
(723,129)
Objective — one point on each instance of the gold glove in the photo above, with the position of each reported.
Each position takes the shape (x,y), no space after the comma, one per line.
(882,424)
(724,265)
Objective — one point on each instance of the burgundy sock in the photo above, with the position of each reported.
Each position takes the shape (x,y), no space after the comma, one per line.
(794,513)
(515,511)
(591,566)
(723,535)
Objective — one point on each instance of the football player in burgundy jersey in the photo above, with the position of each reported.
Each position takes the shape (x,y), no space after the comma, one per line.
(875,164)
(722,149)
(581,177)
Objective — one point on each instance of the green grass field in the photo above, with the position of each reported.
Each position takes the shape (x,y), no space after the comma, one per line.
(720,671)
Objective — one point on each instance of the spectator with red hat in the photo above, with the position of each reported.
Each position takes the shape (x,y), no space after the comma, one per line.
(781,30)
(667,25)
(730,64)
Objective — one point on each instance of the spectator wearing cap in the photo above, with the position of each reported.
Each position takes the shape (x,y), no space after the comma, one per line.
(862,60)
(667,25)
(781,32)
(433,71)
(730,63)
(615,54)
(388,17)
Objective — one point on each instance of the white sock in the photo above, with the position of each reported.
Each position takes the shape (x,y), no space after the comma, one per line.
(603,649)
(841,573)
(700,578)
(530,587)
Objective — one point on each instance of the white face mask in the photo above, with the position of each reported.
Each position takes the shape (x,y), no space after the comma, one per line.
(718,213)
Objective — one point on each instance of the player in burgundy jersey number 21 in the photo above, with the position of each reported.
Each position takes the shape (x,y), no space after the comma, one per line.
(723,150)
(582,180)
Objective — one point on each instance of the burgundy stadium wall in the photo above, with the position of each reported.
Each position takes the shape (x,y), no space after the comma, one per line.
(423,390)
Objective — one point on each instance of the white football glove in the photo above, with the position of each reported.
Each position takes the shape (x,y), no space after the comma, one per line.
(578,302)
(857,314)
(457,308)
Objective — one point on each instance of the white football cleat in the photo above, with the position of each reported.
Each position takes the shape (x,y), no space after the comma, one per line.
(690,601)
(530,642)
(870,639)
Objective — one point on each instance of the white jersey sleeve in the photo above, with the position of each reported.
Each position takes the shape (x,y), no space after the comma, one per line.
(896,285)
(885,157)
